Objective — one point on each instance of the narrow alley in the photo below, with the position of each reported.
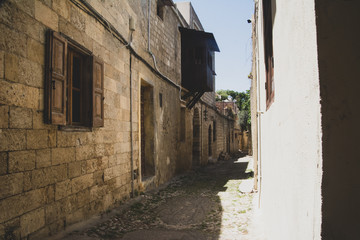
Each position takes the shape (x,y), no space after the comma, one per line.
(206,203)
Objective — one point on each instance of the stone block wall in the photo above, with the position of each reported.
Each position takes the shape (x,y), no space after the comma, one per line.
(224,141)
(51,178)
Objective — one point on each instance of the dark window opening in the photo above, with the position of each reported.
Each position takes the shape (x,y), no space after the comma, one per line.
(160,9)
(74,93)
(269,56)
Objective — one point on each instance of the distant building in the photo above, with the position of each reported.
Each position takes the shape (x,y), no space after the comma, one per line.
(225,106)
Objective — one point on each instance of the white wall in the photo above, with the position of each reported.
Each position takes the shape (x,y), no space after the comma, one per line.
(290,129)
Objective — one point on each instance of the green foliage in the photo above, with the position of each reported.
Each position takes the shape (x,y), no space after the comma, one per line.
(243,103)
(223,95)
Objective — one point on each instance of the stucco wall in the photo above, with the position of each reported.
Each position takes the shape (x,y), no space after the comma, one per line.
(290,138)
(339,54)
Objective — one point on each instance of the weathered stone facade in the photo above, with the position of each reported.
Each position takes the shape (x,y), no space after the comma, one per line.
(51,177)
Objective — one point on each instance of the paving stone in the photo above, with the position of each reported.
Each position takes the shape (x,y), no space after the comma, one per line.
(165,235)
(204,204)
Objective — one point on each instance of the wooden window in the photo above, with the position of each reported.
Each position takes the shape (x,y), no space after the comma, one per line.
(74,84)
(74,87)
(269,56)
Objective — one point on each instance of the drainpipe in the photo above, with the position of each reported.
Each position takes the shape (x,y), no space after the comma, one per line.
(131,133)
(149,12)
(259,112)
(153,56)
(132,29)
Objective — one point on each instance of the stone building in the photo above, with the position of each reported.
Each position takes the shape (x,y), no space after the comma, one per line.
(305,117)
(92,109)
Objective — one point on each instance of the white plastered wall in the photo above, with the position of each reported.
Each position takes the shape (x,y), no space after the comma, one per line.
(290,129)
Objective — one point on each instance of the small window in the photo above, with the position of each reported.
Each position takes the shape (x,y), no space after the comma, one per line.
(74,84)
(160,9)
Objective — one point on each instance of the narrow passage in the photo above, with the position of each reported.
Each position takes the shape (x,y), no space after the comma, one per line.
(203,204)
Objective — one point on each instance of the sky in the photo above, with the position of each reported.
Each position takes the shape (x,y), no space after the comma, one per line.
(227,20)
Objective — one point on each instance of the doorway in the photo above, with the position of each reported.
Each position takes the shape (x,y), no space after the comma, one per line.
(196,138)
(147,131)
(210,141)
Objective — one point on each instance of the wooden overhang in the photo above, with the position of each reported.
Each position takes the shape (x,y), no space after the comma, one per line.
(197,64)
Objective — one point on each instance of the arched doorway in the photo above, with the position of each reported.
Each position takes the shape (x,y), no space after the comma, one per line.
(196,138)
(210,141)
(228,143)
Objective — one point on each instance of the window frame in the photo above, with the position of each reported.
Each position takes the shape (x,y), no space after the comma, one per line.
(268,52)
(70,88)
(58,91)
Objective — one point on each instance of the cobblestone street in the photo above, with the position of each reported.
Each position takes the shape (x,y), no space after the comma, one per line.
(203,204)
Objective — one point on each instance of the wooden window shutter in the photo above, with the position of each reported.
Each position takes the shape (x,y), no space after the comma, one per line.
(56,66)
(269,57)
(97,93)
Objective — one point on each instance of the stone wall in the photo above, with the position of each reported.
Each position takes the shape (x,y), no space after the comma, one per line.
(244,142)
(52,177)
